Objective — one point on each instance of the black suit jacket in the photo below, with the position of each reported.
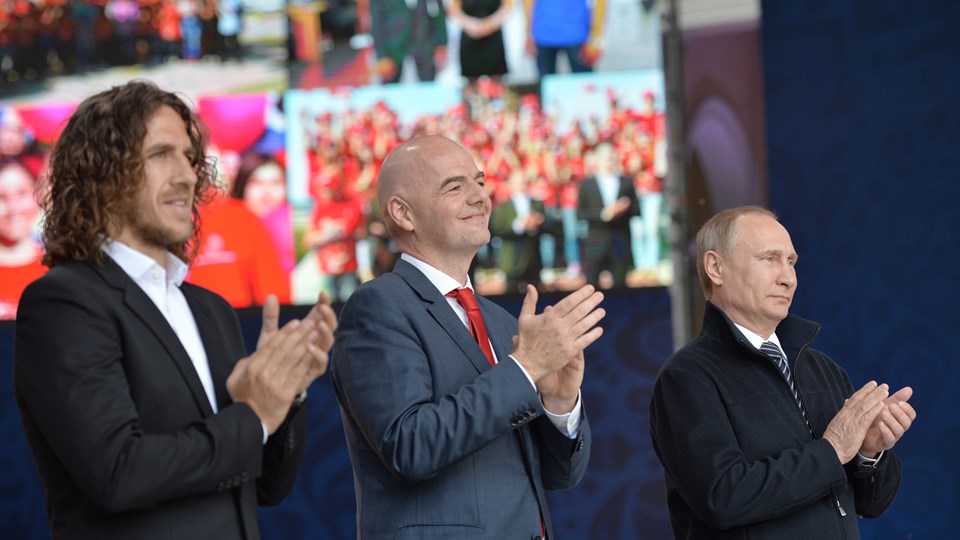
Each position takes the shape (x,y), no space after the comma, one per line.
(606,241)
(120,428)
(590,206)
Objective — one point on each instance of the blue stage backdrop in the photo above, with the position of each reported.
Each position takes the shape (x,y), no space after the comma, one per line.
(863,122)
(620,497)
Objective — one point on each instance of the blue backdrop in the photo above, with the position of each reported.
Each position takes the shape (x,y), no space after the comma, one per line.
(863,126)
(863,109)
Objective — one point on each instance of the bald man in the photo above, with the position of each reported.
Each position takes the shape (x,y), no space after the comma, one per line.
(456,428)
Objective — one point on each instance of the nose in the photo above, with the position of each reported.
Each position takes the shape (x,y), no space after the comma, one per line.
(478,194)
(186,172)
(788,275)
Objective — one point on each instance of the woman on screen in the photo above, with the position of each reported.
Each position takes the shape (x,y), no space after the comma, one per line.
(261,183)
(481,39)
(20,252)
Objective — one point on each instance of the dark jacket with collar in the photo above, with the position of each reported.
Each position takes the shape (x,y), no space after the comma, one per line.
(121,430)
(739,459)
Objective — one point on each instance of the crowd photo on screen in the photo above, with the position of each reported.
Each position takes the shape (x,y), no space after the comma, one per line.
(572,139)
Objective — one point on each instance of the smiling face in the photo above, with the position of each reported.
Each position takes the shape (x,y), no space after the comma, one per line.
(18,207)
(162,213)
(755,282)
(266,188)
(437,203)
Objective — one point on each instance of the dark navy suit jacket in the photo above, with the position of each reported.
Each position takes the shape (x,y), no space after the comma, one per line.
(443,444)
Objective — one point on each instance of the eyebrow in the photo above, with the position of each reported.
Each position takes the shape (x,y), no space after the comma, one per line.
(157,146)
(167,147)
(778,252)
(460,178)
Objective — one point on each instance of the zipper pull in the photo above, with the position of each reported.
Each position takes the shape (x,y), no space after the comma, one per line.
(840,508)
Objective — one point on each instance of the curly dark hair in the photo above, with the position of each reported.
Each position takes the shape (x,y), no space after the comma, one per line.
(96,171)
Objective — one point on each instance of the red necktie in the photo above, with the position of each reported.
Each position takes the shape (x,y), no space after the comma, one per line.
(477,329)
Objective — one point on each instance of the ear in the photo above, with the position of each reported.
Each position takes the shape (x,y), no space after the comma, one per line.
(399,212)
(713,266)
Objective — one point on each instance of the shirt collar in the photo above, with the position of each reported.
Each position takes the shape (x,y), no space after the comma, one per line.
(755,339)
(441,281)
(137,265)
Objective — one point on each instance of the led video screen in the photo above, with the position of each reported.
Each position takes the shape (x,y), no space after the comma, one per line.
(303,100)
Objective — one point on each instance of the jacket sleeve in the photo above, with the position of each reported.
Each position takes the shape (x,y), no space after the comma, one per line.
(389,386)
(563,461)
(72,369)
(695,441)
(282,458)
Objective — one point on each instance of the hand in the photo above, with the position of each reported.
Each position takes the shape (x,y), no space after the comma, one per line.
(560,389)
(440,56)
(269,379)
(548,342)
(387,68)
(894,420)
(590,53)
(848,428)
(615,210)
(323,316)
(533,222)
(474,27)
(271,319)
(530,46)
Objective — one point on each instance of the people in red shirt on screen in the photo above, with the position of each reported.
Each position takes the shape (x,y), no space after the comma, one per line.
(335,223)
(261,183)
(237,259)
(20,252)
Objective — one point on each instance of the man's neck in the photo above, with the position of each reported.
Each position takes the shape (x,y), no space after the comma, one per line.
(456,272)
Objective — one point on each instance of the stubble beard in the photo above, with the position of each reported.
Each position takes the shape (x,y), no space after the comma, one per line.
(152,232)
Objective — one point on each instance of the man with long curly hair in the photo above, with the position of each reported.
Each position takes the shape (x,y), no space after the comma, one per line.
(144,414)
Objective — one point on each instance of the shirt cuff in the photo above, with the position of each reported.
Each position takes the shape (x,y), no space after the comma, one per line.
(568,424)
(865,462)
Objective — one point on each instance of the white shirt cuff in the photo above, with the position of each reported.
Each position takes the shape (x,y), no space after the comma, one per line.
(865,462)
(568,424)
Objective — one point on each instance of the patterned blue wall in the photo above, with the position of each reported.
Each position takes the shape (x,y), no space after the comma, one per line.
(620,497)
(863,126)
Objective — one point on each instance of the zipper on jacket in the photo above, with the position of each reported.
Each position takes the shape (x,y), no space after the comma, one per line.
(796,382)
(839,507)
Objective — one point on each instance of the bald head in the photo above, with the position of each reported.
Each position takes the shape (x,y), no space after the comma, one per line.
(405,165)
(434,203)
(406,170)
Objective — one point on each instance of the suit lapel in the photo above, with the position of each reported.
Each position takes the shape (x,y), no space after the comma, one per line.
(437,306)
(144,309)
(221,364)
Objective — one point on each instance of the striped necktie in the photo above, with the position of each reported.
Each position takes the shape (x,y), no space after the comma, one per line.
(770,349)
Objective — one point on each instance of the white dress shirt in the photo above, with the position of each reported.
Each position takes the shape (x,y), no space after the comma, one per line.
(162,285)
(609,186)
